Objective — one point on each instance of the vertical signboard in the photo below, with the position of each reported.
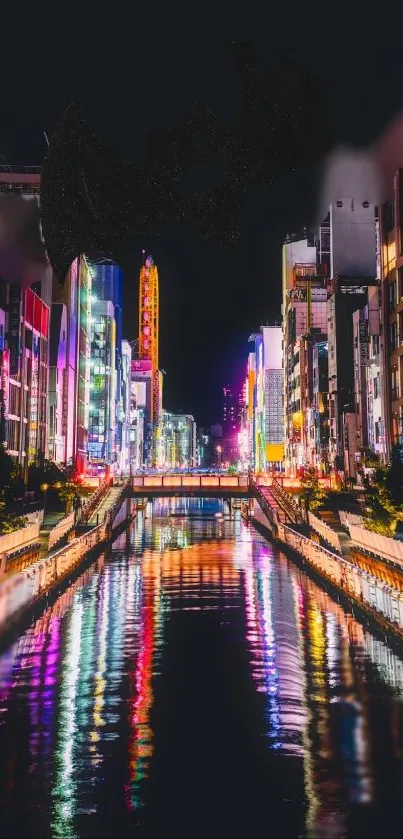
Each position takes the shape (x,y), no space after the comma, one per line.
(14,327)
(4,392)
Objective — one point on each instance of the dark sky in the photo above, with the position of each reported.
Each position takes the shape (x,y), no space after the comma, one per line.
(130,74)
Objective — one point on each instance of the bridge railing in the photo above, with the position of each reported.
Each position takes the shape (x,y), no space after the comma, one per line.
(169,481)
(288,504)
(382,599)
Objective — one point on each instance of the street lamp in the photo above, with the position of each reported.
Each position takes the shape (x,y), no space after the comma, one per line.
(219,450)
(44,488)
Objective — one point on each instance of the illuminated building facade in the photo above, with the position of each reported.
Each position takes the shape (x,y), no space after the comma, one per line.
(204,451)
(353,268)
(83,365)
(25,357)
(140,413)
(318,414)
(25,368)
(231,424)
(273,395)
(107,285)
(57,375)
(264,397)
(125,402)
(179,441)
(391,252)
(102,405)
(304,321)
(108,445)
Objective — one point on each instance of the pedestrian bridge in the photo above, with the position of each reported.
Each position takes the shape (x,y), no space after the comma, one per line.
(187,484)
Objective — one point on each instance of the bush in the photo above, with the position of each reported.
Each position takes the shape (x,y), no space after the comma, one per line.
(312,493)
(385,496)
(9,521)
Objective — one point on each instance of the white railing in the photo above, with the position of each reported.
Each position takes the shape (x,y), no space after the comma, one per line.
(287,502)
(18,591)
(346,519)
(60,529)
(36,517)
(325,531)
(382,546)
(382,599)
(18,538)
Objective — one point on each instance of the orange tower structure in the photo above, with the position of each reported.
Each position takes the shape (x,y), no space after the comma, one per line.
(148,343)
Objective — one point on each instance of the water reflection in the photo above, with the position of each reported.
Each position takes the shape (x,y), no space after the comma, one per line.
(195,681)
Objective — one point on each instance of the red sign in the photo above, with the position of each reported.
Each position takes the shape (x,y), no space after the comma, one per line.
(142,365)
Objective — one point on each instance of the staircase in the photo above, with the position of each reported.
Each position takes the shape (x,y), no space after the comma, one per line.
(105,504)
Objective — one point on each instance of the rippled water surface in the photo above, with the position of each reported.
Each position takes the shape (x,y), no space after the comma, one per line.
(193,682)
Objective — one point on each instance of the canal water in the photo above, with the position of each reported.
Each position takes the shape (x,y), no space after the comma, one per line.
(194,682)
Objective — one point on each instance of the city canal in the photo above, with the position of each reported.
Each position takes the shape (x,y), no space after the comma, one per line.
(194,682)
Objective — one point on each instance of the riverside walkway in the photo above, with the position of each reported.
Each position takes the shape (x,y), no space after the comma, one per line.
(360,587)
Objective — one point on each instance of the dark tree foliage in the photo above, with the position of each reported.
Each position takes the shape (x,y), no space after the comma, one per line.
(385,495)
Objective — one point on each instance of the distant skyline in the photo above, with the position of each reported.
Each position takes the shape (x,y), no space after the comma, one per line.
(211,298)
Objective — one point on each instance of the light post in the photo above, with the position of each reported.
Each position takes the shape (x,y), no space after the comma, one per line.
(44,488)
(219,450)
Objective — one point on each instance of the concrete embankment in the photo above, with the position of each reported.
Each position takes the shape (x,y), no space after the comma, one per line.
(367,597)
(24,592)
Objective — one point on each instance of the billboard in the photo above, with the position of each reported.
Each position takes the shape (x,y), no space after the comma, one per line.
(274,452)
(139,391)
(141,365)
(14,328)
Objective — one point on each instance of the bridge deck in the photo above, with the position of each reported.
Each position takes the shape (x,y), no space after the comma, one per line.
(162,485)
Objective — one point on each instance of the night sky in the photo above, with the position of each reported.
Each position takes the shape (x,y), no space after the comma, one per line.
(131,75)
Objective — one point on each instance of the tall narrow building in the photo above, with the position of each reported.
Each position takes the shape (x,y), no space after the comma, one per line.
(26,283)
(391,248)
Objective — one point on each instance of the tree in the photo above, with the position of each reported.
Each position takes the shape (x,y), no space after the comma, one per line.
(67,493)
(312,493)
(9,521)
(7,473)
(384,506)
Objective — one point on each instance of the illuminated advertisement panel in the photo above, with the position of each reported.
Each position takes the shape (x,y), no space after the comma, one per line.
(143,365)
(14,323)
(4,390)
(274,452)
(139,392)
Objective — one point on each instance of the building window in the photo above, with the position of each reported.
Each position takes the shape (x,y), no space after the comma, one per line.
(394,387)
(392,295)
(393,337)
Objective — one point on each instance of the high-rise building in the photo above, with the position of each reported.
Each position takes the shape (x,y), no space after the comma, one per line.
(124,453)
(353,272)
(204,453)
(391,249)
(179,441)
(264,424)
(57,376)
(140,413)
(231,424)
(102,405)
(107,286)
(304,322)
(26,300)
